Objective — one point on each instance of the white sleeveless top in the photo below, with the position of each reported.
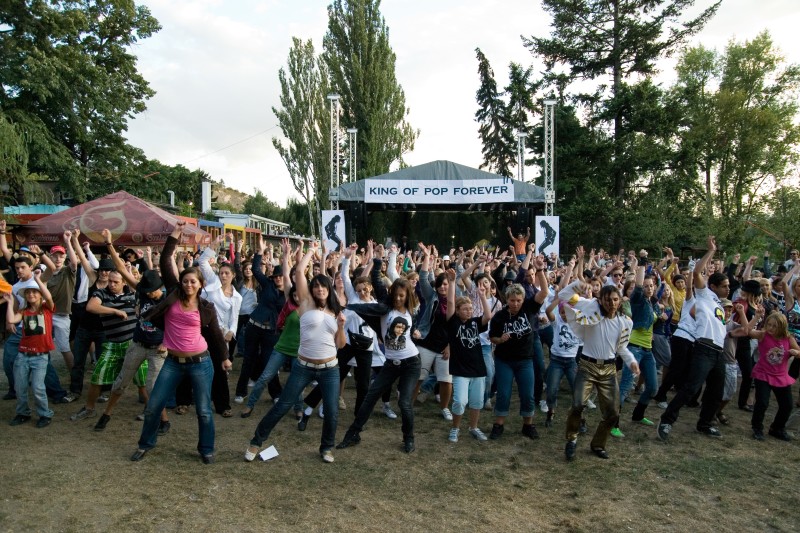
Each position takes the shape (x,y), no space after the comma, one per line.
(317,335)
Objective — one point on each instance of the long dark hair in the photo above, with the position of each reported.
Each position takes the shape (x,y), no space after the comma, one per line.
(191,270)
(332,302)
(411,298)
(605,291)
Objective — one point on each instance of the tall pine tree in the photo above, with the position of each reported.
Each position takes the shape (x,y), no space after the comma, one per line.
(494,129)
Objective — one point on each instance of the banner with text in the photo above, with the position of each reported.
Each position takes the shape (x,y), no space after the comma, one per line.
(438,192)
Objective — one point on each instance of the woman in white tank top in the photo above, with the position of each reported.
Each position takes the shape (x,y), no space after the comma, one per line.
(321,335)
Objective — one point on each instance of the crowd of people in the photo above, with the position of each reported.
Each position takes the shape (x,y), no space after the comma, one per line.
(407,323)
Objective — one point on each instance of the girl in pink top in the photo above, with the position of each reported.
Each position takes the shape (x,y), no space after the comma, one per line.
(771,372)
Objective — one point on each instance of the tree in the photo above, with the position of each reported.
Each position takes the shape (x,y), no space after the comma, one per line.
(71,84)
(616,39)
(260,205)
(362,71)
(494,130)
(305,123)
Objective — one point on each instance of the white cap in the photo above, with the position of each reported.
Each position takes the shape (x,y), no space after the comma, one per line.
(446,258)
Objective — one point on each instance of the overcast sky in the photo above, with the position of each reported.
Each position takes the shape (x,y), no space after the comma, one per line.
(214,68)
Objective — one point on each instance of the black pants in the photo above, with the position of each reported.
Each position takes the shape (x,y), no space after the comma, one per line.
(258,345)
(744,356)
(708,365)
(784,397)
(678,367)
(361,371)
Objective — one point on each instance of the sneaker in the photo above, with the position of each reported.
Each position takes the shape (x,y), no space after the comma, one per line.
(43,422)
(342,405)
(422,397)
(548,423)
(487,405)
(72,396)
(778,434)
(140,417)
(19,419)
(478,434)
(569,449)
(529,430)
(453,437)
(327,456)
(10,396)
(438,398)
(164,427)
(710,431)
(387,410)
(102,422)
(208,459)
(543,406)
(582,429)
(61,400)
(497,430)
(250,383)
(251,453)
(83,413)
(351,438)
(758,434)
(447,415)
(303,422)
(617,433)
(663,432)
(590,404)
(103,398)
(320,412)
(239,400)
(644,421)
(662,405)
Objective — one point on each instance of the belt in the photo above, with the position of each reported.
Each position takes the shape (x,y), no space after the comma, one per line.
(398,362)
(598,361)
(328,364)
(34,354)
(708,344)
(261,325)
(192,359)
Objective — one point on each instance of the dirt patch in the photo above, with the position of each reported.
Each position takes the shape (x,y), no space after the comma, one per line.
(68,477)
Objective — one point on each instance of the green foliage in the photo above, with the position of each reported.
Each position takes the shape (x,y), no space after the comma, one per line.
(70,82)
(495,130)
(260,205)
(361,64)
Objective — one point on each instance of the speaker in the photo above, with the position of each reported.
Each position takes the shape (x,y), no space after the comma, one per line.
(523,219)
(357,213)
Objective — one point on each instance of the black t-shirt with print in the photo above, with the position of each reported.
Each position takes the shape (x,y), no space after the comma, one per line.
(519,327)
(466,355)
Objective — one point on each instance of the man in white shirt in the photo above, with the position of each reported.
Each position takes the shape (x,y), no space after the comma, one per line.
(708,361)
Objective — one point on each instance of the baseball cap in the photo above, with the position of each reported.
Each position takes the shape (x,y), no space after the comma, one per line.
(446,258)
(58,249)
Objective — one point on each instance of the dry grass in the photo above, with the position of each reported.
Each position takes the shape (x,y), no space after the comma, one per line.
(69,478)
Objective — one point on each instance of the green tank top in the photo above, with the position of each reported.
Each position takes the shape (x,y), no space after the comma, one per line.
(289,341)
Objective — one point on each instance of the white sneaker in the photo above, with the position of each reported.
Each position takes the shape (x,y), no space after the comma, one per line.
(342,405)
(543,406)
(320,413)
(447,415)
(453,435)
(89,413)
(488,404)
(327,456)
(663,405)
(478,434)
(239,400)
(590,404)
(387,410)
(250,383)
(438,398)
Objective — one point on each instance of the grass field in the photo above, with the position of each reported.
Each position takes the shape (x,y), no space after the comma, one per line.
(69,478)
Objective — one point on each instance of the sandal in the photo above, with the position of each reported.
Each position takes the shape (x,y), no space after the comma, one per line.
(181,409)
(227,413)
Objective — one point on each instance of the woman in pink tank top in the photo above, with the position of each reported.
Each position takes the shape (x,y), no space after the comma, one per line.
(771,373)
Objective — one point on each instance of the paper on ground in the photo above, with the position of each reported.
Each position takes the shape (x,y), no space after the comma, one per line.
(268,453)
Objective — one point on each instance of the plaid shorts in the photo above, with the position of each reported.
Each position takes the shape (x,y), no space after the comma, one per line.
(110,363)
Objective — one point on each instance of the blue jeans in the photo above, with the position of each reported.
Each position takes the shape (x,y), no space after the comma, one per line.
(488,360)
(558,368)
(302,375)
(274,365)
(10,351)
(407,371)
(647,366)
(522,373)
(538,367)
(467,392)
(172,373)
(33,367)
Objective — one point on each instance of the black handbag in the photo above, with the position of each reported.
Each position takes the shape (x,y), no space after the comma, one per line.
(359,341)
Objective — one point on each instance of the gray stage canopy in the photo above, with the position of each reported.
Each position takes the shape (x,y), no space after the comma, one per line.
(440,185)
